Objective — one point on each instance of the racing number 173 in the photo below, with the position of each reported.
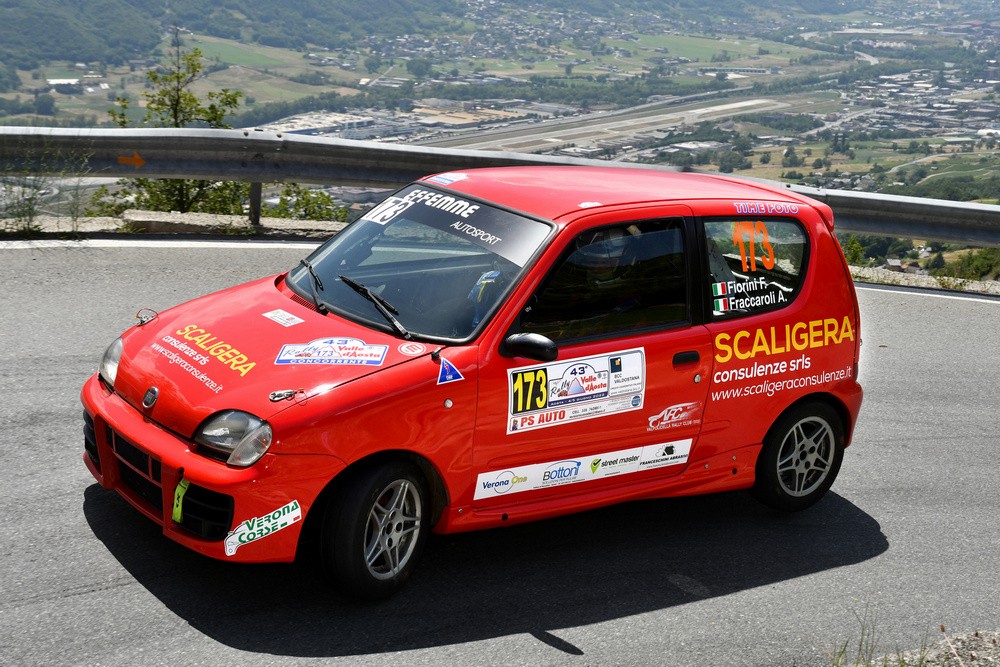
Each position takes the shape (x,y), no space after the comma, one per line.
(745,237)
(529,391)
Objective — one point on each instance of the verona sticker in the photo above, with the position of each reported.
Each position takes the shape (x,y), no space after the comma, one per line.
(588,468)
(260,527)
(574,390)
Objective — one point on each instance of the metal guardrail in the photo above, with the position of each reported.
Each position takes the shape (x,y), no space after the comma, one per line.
(268,157)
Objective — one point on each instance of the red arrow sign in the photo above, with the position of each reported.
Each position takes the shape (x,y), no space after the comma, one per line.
(135,160)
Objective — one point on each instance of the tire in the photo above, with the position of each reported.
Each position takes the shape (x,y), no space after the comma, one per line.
(801,457)
(375,529)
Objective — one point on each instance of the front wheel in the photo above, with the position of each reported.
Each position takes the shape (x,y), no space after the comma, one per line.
(375,529)
(801,457)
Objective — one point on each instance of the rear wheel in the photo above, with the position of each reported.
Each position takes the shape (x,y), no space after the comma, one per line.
(801,457)
(375,529)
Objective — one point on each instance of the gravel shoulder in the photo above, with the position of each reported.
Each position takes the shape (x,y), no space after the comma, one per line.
(886,277)
(954,650)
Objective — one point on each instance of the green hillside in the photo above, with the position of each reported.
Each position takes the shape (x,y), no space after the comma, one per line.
(113,31)
(86,30)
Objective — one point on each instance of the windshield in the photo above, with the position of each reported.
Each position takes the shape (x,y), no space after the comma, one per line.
(423,263)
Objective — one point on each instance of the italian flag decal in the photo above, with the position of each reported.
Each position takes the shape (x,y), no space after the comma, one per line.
(721,305)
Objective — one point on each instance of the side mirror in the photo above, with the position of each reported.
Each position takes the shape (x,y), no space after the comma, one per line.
(529,345)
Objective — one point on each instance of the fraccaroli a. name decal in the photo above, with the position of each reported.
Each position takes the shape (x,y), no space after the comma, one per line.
(576,389)
(337,351)
(260,527)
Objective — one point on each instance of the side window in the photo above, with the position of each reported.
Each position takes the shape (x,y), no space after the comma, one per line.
(754,265)
(614,280)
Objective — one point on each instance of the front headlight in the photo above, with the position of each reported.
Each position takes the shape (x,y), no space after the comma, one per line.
(237,437)
(108,369)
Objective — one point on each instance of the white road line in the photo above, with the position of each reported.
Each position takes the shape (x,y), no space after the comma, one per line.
(929,293)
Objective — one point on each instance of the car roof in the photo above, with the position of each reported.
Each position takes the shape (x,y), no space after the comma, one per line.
(554,192)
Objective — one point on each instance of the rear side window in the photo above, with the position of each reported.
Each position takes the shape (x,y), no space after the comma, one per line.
(754,265)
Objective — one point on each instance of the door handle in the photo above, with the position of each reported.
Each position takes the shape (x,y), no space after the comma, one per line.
(685,358)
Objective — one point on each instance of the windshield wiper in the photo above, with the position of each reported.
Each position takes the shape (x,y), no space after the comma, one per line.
(315,284)
(381,305)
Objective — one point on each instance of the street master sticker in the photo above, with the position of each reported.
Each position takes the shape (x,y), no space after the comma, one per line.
(574,390)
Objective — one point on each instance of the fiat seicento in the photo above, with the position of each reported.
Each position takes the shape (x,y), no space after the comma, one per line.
(484,348)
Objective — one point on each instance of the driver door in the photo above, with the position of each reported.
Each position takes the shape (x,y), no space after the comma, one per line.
(623,402)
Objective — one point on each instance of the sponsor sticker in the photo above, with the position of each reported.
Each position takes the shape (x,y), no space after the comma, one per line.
(448,178)
(184,356)
(284,318)
(765,208)
(769,360)
(335,351)
(574,390)
(412,349)
(441,201)
(448,373)
(750,294)
(260,527)
(386,212)
(747,344)
(572,471)
(213,347)
(676,416)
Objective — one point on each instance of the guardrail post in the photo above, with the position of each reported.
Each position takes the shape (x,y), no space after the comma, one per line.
(255,196)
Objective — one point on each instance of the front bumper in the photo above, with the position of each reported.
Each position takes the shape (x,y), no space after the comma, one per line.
(252,514)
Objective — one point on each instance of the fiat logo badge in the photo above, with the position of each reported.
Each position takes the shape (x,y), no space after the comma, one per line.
(149,400)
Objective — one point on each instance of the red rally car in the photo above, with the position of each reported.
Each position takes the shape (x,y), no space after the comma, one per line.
(484,348)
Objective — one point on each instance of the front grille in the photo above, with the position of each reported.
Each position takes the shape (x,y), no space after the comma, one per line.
(141,472)
(90,440)
(207,514)
(141,487)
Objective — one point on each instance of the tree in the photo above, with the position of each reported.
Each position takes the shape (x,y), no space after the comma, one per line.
(303,204)
(419,67)
(170,103)
(373,63)
(730,161)
(936,262)
(854,252)
(45,105)
(791,158)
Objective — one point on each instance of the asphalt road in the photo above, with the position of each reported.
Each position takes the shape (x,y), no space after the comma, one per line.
(908,537)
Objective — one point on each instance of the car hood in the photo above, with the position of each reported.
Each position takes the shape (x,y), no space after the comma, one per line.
(235,348)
